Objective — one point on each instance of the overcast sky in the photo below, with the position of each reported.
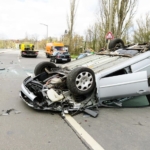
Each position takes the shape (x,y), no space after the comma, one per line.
(19,18)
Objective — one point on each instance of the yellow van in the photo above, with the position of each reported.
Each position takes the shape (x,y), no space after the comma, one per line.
(51,47)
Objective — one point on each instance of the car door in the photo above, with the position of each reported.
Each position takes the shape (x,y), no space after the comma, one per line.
(143,65)
(125,85)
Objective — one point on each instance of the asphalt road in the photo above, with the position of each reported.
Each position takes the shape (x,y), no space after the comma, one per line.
(113,129)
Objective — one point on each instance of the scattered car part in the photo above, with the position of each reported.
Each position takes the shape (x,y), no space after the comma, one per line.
(7,112)
(2,69)
(91,113)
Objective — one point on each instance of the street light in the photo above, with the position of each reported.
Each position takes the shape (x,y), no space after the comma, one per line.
(47,28)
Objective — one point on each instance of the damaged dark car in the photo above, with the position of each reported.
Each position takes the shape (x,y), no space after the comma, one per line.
(105,79)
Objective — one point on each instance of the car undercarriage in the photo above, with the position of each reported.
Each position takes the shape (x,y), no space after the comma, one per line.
(48,91)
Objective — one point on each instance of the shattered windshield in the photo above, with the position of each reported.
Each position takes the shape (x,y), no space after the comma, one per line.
(59,48)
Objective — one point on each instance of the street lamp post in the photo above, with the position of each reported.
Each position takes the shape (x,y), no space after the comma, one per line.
(47,28)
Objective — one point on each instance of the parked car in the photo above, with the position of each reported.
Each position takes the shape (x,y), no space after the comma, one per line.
(59,57)
(82,55)
(106,79)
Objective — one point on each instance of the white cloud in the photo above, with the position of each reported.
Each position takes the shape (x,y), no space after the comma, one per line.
(21,17)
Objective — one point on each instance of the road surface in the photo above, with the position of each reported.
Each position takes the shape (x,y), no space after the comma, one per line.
(113,129)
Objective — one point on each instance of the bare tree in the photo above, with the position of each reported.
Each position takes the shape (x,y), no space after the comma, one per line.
(142,31)
(71,21)
(125,10)
(122,14)
(92,36)
(77,41)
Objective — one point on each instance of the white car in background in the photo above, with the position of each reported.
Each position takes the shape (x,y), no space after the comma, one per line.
(82,55)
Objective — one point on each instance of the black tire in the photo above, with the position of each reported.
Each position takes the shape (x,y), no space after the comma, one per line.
(81,81)
(116,44)
(41,67)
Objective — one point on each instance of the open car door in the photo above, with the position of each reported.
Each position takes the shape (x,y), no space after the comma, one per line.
(126,85)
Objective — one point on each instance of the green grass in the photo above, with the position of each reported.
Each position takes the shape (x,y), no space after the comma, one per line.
(74,56)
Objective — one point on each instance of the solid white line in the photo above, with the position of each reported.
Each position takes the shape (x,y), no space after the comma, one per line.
(83,134)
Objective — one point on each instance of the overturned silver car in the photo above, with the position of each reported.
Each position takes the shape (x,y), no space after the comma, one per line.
(105,79)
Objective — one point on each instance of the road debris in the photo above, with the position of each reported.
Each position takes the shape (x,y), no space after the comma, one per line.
(7,112)
(2,68)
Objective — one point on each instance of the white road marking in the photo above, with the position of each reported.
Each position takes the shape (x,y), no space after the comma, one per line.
(18,57)
(83,134)
(14,71)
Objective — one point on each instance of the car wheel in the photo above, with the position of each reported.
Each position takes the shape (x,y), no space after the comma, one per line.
(41,67)
(81,81)
(116,44)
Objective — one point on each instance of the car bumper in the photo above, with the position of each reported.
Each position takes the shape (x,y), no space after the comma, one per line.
(27,93)
(29,97)
(28,102)
(30,54)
